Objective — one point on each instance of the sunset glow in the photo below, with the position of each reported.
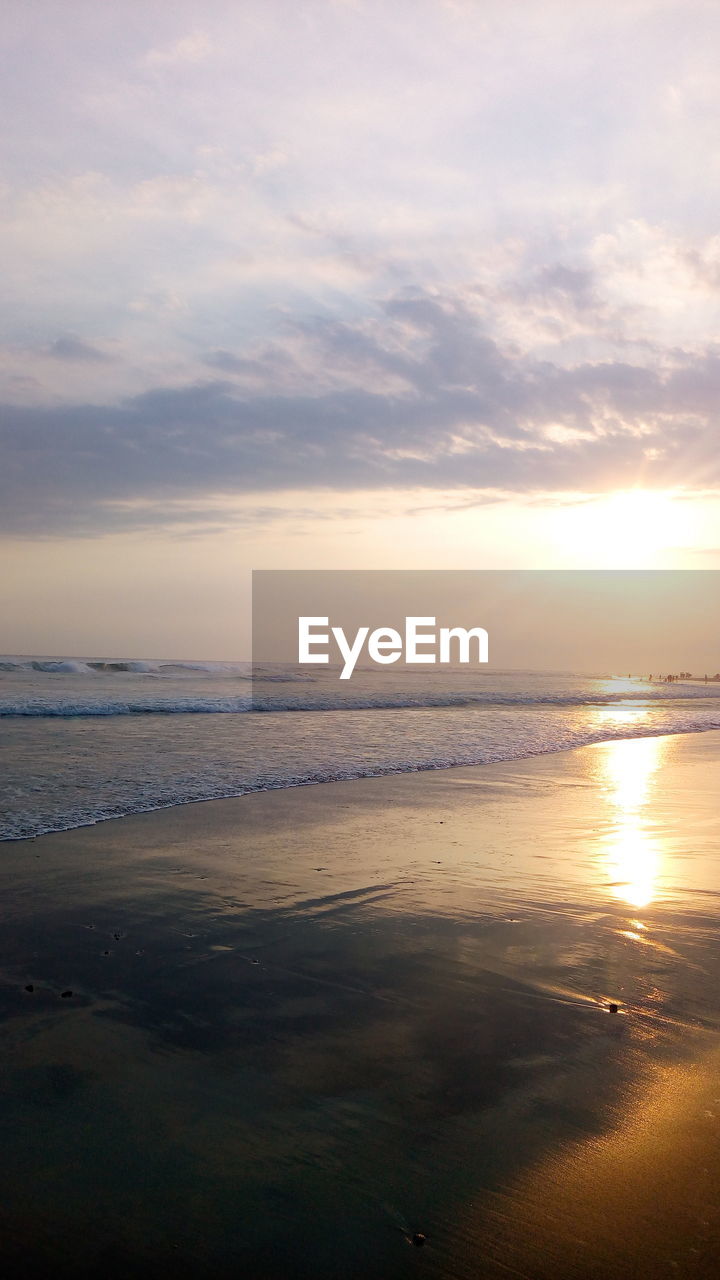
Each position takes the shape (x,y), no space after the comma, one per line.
(633,855)
(631,529)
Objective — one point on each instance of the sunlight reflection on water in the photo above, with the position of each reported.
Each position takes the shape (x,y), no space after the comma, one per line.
(629,773)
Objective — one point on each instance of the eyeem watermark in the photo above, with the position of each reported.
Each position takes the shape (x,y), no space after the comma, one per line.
(386,645)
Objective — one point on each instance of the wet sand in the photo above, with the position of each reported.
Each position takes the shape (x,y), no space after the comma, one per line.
(308,1024)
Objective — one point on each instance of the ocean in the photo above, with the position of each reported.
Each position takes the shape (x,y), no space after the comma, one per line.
(82,740)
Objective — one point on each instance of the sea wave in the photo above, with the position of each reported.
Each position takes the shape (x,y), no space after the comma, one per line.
(27,825)
(125,666)
(68,707)
(73,709)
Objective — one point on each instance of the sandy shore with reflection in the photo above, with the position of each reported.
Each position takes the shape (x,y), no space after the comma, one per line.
(346,1013)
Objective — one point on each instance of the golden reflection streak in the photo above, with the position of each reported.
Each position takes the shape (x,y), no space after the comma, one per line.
(626,1202)
(633,859)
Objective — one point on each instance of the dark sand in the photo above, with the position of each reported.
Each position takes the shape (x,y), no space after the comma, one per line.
(307,1024)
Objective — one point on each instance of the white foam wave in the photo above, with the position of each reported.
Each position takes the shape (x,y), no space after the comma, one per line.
(70,709)
(123,666)
(27,825)
(66,706)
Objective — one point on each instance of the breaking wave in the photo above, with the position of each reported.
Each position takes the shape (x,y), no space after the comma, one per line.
(133,666)
(69,706)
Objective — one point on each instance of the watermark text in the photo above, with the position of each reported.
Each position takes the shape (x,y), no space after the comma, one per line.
(421,642)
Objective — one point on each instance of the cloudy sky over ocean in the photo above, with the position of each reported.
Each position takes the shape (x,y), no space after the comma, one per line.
(344,284)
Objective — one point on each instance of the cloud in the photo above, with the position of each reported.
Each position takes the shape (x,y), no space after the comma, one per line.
(470,416)
(272,362)
(559,286)
(69,347)
(323,251)
(194,47)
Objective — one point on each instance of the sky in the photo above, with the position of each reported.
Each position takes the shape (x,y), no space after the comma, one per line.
(343,284)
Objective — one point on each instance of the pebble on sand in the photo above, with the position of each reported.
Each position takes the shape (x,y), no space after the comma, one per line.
(65,995)
(30,987)
(613,1008)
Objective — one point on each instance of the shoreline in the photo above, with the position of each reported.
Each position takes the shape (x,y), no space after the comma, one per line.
(313,782)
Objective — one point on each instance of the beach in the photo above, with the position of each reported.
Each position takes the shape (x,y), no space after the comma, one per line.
(359,657)
(462,1022)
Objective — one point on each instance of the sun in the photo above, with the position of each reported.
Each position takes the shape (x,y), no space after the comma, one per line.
(629,529)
